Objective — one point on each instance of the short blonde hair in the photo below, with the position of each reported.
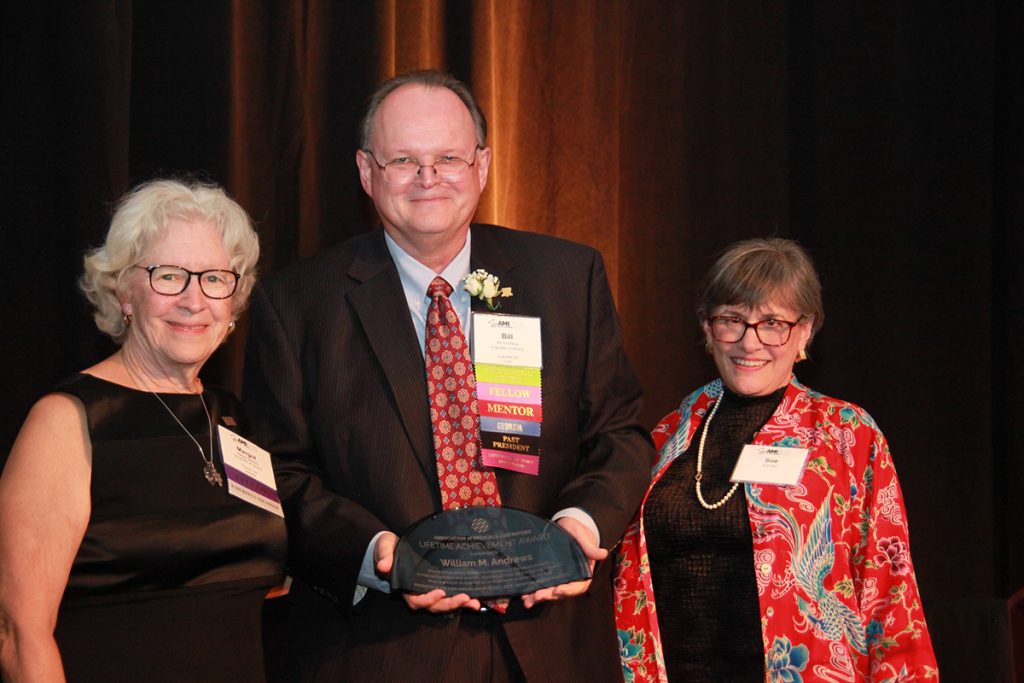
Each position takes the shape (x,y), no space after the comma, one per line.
(141,218)
(756,271)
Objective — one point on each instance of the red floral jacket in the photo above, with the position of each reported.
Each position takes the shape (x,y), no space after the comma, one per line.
(835,582)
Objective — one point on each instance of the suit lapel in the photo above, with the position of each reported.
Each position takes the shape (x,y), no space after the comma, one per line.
(383,312)
(488,254)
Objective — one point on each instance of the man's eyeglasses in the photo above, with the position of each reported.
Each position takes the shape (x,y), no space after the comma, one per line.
(173,280)
(771,332)
(403,170)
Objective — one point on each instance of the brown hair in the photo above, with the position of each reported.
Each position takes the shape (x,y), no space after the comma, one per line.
(756,271)
(431,79)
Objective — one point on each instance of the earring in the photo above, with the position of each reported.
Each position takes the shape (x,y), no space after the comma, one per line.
(801,355)
(127,319)
(231,326)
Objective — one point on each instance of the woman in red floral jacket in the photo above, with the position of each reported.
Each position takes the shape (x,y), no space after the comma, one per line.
(806,574)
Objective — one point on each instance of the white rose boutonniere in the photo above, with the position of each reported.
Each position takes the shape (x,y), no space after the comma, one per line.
(486,287)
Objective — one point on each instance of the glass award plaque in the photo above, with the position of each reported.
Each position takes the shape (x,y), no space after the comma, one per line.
(486,552)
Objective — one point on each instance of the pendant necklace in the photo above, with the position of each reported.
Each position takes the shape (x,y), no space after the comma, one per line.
(700,461)
(209,469)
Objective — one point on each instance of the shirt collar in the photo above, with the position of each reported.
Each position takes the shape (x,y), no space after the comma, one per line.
(416,277)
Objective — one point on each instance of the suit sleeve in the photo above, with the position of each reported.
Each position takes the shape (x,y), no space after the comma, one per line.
(615,451)
(327,534)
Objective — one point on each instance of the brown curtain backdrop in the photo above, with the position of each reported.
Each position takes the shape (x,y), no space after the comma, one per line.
(886,137)
(549,74)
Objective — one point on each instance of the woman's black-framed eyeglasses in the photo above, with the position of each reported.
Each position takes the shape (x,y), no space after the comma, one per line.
(173,280)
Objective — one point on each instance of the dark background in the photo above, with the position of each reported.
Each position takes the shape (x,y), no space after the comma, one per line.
(885,136)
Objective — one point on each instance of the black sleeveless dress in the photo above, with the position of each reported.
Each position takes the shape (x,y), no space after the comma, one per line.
(170,579)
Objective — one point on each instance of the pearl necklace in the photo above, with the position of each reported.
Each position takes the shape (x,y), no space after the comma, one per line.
(700,461)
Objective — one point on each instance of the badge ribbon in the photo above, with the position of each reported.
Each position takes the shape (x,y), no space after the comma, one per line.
(507,362)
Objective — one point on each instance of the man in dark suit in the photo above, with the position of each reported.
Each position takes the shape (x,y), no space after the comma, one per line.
(336,385)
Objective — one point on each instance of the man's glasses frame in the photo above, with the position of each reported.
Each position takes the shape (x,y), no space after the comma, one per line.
(404,170)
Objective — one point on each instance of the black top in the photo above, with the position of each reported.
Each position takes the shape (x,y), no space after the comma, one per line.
(168,583)
(702,561)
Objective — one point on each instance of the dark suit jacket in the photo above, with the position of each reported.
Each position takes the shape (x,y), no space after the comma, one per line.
(335,384)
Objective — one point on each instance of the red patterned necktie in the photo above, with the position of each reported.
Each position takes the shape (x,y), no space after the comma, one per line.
(451,385)
(454,419)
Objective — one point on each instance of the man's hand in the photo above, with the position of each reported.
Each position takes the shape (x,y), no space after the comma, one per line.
(434,601)
(590,548)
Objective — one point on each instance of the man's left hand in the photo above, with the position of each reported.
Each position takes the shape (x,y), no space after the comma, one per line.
(590,548)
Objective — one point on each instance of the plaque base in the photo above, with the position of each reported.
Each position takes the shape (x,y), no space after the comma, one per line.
(486,552)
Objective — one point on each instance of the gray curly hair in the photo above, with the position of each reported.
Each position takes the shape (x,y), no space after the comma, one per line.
(140,219)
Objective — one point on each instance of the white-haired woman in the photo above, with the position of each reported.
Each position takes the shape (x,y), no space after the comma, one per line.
(123,556)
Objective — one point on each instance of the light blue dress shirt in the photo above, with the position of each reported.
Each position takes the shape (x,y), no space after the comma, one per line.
(416,278)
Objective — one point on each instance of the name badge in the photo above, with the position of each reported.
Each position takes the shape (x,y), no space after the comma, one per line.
(507,360)
(507,340)
(250,474)
(770,465)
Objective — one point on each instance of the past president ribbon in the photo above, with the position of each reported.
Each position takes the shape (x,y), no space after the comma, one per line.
(516,443)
